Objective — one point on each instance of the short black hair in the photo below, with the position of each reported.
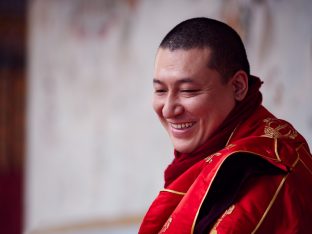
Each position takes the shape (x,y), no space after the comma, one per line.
(228,51)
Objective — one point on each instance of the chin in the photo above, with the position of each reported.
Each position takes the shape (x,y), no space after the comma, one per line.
(183,148)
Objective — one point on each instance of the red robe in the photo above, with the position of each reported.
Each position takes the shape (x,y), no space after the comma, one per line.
(270,203)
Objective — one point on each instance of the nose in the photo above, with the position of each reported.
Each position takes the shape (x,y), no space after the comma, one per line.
(172,107)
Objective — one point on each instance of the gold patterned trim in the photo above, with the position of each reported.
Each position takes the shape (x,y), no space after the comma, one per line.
(201,203)
(229,146)
(279,187)
(228,141)
(295,163)
(276,150)
(173,191)
(306,150)
(166,226)
(277,158)
(299,158)
(300,146)
(270,204)
(227,212)
(209,158)
(274,129)
(228,156)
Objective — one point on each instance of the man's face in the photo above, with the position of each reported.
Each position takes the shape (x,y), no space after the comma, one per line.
(190,98)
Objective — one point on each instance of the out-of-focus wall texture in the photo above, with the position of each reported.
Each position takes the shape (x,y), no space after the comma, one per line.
(12,114)
(95,149)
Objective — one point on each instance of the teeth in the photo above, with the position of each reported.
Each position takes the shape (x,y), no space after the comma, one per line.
(182,126)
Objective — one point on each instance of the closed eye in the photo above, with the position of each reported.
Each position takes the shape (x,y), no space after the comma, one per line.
(190,90)
(160,90)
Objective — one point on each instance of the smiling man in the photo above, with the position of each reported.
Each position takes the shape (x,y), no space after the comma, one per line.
(237,168)
(186,90)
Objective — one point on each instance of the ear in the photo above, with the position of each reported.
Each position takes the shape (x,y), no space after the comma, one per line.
(239,83)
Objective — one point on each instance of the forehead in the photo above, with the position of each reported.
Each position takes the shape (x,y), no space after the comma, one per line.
(182,57)
(181,64)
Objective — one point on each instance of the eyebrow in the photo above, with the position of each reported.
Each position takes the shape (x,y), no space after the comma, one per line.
(156,81)
(180,81)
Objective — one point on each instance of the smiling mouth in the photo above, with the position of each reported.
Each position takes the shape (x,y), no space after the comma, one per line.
(182,126)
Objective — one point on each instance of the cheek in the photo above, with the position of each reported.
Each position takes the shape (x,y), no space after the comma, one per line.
(211,108)
(228,104)
(198,106)
(157,106)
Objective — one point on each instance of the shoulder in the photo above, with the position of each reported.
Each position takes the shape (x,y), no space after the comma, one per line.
(269,202)
(279,174)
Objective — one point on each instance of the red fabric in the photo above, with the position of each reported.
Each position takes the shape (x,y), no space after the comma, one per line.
(241,112)
(166,202)
(283,201)
(268,204)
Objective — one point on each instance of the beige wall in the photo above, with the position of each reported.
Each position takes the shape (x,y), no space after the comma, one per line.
(95,148)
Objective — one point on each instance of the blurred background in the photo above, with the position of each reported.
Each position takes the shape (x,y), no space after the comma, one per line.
(81,149)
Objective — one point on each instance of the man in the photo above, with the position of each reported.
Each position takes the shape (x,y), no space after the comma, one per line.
(237,168)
